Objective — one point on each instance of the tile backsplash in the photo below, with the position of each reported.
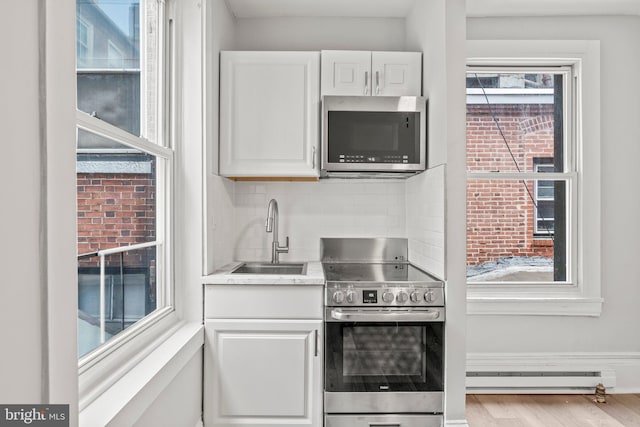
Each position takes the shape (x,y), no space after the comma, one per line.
(413,208)
(425,220)
(311,210)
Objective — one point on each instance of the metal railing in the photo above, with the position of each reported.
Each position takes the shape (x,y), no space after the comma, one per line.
(102,254)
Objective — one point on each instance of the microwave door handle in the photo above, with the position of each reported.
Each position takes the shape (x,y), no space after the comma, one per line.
(384,316)
(366,83)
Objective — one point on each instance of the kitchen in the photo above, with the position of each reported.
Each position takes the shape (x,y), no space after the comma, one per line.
(573,337)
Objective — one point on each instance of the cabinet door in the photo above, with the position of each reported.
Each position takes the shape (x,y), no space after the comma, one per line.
(263,373)
(269,110)
(396,73)
(346,72)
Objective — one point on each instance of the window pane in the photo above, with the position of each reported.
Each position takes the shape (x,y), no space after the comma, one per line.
(117,185)
(545,191)
(111,96)
(130,290)
(116,207)
(503,227)
(117,82)
(105,24)
(511,121)
(116,196)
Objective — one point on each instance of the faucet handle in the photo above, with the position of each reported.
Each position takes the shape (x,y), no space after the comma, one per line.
(285,248)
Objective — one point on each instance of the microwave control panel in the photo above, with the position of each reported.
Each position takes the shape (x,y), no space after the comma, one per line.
(356,158)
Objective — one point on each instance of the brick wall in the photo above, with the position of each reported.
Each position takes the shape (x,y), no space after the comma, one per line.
(500,214)
(115,209)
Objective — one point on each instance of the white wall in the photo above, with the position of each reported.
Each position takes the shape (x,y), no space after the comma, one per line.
(37,189)
(320,33)
(173,407)
(308,211)
(613,333)
(220,35)
(20,360)
(437,27)
(423,37)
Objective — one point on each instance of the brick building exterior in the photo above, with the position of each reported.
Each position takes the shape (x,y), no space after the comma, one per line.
(501,216)
(115,209)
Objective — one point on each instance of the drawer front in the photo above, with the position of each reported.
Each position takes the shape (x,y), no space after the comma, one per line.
(263,302)
(383,421)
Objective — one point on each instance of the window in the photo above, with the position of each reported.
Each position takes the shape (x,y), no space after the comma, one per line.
(532,151)
(123,175)
(84,39)
(523,116)
(543,199)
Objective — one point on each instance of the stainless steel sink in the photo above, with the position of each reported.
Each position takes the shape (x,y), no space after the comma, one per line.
(268,268)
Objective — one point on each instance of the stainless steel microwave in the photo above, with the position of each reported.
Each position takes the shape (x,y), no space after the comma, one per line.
(373,135)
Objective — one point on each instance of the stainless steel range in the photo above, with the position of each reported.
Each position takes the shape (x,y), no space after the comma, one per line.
(384,336)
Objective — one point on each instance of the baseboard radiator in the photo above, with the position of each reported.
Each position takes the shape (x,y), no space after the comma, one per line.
(538,381)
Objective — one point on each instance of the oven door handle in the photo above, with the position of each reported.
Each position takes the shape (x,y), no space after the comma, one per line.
(385,316)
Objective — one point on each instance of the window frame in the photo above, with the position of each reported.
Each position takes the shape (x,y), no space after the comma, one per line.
(580,295)
(103,366)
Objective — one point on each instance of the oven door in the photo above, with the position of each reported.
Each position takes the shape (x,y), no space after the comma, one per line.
(384,360)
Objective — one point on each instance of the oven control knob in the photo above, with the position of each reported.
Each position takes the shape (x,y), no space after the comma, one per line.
(402,297)
(387,297)
(428,297)
(338,297)
(351,297)
(416,296)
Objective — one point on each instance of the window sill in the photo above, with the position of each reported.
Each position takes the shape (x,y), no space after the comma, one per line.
(127,398)
(534,306)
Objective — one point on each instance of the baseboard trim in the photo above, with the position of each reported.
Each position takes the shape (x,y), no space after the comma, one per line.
(620,372)
(457,423)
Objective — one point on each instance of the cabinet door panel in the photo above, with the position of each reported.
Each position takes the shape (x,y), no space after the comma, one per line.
(343,72)
(263,373)
(269,107)
(396,73)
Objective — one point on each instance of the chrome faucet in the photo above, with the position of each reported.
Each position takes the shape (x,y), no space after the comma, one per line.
(272,227)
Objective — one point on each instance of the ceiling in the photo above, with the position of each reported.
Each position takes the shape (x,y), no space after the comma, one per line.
(401,8)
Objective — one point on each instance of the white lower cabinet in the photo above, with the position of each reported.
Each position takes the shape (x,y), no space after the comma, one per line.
(263,372)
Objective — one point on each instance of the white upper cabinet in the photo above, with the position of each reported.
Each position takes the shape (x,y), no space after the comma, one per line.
(396,73)
(269,111)
(346,72)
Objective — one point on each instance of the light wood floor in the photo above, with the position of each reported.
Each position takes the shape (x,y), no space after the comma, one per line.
(621,410)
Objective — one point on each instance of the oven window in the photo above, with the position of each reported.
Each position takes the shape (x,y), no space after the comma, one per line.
(384,357)
(382,350)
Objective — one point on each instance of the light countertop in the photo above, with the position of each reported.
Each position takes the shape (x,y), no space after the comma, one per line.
(223,276)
